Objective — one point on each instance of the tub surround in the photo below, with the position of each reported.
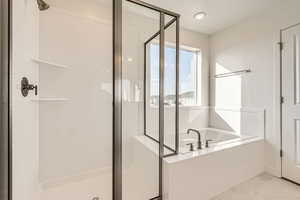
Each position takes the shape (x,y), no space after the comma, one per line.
(208,172)
(206,151)
(205,176)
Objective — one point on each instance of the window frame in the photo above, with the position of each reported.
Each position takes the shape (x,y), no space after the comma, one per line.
(198,74)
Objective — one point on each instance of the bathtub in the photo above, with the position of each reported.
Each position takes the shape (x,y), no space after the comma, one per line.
(202,174)
(216,137)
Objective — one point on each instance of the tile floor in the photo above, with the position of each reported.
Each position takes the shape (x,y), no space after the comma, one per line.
(263,187)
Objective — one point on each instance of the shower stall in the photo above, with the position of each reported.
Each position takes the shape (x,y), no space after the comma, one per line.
(86,99)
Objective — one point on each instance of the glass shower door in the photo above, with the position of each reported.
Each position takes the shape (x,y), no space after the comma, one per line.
(144,99)
(140,155)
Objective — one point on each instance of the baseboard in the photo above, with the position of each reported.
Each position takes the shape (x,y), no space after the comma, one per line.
(273,171)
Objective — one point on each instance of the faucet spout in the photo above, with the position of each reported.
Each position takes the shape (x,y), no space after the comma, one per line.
(198,134)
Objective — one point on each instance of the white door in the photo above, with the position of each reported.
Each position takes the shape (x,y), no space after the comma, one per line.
(291,105)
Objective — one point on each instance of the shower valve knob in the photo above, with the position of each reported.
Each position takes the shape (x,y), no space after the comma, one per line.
(26,87)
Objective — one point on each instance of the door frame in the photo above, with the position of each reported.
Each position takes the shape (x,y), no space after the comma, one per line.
(6,108)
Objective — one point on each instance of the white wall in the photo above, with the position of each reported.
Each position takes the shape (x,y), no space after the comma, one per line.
(253,44)
(24,111)
(80,128)
(76,134)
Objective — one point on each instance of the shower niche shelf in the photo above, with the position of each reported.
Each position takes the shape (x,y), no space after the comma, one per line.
(50,99)
(50,64)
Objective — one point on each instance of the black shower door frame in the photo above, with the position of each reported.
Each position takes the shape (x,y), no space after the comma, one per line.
(5,99)
(117,92)
(175,150)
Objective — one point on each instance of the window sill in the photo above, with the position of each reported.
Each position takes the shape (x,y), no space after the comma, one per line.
(193,107)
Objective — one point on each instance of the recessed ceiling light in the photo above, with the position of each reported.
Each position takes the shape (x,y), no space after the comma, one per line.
(200,15)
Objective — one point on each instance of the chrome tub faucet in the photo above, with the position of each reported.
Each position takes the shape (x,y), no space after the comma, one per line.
(199,136)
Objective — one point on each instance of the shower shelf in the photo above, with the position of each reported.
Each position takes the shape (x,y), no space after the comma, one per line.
(56,65)
(50,99)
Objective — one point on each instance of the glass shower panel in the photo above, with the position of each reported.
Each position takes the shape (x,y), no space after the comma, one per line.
(170,85)
(75,100)
(151,81)
(140,153)
(152,87)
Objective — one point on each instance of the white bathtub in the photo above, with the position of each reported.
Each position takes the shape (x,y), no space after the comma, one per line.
(203,174)
(215,136)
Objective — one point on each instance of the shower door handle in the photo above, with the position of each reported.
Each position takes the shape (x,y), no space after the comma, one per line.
(26,87)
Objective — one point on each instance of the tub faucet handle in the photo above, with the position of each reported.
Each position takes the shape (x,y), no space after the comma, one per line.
(199,144)
(207,143)
(191,146)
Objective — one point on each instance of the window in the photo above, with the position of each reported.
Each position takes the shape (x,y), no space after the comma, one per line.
(188,73)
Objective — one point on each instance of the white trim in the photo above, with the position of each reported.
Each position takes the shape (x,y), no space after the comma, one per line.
(230,109)
(276,170)
(191,107)
(240,109)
